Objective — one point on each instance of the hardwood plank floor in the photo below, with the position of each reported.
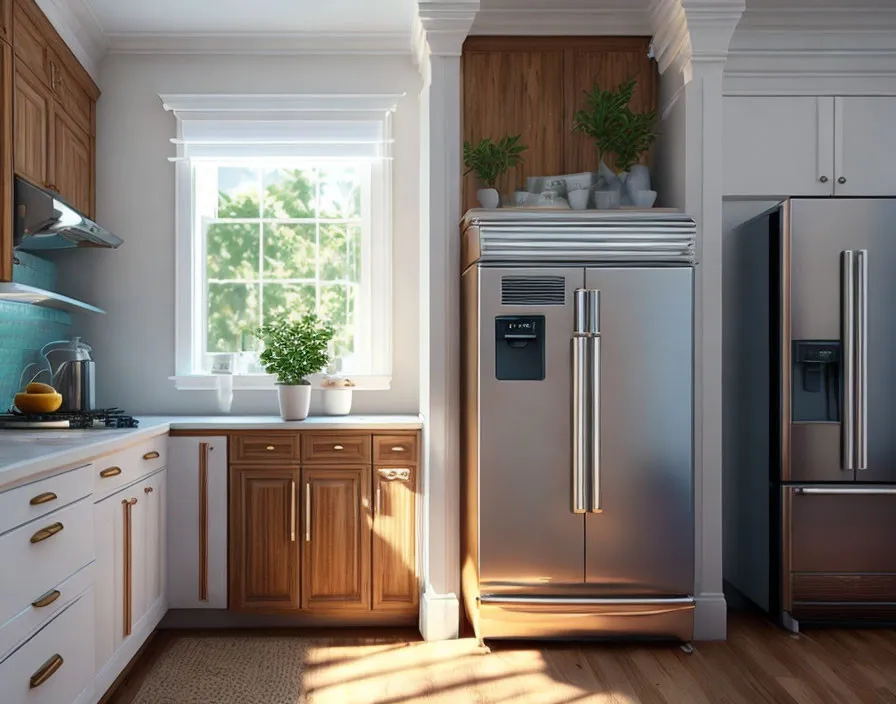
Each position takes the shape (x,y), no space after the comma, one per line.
(758,663)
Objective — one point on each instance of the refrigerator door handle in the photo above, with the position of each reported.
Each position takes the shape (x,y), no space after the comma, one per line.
(848,337)
(861,359)
(844,491)
(594,359)
(579,422)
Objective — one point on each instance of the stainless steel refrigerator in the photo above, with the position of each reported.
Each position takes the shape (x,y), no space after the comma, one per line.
(577,459)
(810,423)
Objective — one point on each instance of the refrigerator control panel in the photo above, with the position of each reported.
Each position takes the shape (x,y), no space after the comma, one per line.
(519,348)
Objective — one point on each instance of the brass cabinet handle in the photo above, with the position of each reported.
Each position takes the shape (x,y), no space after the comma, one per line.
(391,474)
(338,448)
(307,512)
(203,520)
(52,187)
(147,490)
(46,599)
(46,671)
(126,601)
(110,472)
(292,512)
(152,455)
(399,448)
(46,497)
(47,532)
(270,448)
(379,501)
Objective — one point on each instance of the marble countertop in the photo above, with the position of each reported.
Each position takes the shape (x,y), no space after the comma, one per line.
(29,455)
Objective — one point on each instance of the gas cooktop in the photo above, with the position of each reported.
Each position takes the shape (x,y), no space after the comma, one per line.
(100,418)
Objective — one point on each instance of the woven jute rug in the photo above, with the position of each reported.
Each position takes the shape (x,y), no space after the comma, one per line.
(223,670)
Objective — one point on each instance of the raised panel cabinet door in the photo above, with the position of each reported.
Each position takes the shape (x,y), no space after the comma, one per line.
(394,538)
(6,21)
(7,92)
(197,522)
(264,546)
(32,112)
(70,165)
(154,524)
(29,41)
(865,141)
(336,539)
(778,146)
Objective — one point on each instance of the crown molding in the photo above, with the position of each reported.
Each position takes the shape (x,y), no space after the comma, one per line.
(440,26)
(262,43)
(820,19)
(688,31)
(559,22)
(80,29)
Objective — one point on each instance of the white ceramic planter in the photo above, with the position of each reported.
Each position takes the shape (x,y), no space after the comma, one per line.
(337,402)
(295,401)
(488,198)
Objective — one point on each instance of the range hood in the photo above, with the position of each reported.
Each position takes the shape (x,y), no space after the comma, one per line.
(44,221)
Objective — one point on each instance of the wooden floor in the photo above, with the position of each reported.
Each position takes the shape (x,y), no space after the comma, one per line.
(758,663)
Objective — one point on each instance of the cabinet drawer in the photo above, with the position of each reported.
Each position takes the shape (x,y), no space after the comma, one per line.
(34,500)
(56,665)
(43,553)
(270,447)
(395,448)
(846,532)
(335,448)
(119,469)
(42,609)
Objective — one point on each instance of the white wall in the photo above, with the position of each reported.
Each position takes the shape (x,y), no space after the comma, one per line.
(134,342)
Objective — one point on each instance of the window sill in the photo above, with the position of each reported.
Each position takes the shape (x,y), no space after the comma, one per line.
(262,382)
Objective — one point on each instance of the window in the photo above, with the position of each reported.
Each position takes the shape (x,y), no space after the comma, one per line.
(278,218)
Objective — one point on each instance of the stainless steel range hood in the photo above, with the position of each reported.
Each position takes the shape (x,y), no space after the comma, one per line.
(44,221)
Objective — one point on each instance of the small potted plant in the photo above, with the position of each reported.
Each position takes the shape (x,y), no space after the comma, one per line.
(293,350)
(489,161)
(615,128)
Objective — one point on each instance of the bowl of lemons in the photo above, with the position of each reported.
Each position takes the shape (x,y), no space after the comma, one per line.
(38,398)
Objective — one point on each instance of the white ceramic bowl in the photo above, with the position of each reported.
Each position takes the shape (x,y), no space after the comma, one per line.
(644,199)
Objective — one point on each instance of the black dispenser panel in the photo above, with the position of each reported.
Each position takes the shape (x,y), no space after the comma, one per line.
(519,348)
(816,380)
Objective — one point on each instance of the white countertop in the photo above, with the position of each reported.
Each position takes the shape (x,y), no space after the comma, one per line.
(29,455)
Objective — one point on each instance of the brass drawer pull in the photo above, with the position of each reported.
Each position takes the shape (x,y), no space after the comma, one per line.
(47,532)
(153,455)
(110,472)
(399,448)
(390,475)
(46,599)
(46,671)
(338,448)
(270,448)
(46,497)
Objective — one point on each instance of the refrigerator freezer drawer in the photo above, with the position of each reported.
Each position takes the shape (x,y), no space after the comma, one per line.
(586,618)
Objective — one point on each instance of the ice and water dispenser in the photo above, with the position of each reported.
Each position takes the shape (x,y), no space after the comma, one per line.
(816,380)
(519,347)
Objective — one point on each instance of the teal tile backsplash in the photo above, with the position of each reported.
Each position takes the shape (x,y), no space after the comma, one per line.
(24,328)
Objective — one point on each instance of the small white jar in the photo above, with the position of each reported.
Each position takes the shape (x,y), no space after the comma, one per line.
(337,402)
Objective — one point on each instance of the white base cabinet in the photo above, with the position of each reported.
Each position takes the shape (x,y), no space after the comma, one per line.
(130,570)
(197,522)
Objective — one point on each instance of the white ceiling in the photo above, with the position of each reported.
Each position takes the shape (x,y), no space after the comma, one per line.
(255,16)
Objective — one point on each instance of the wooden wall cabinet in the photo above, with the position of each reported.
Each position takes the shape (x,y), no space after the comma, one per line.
(33,117)
(6,21)
(532,86)
(306,535)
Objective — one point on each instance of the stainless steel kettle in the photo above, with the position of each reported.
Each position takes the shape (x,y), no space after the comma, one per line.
(73,373)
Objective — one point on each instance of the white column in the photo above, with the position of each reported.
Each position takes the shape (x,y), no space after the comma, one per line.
(443,26)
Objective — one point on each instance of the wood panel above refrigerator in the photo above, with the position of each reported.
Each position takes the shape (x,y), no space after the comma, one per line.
(532,86)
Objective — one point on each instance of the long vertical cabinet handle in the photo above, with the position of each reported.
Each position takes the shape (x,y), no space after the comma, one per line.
(203,521)
(861,360)
(307,512)
(128,572)
(848,343)
(292,512)
(579,400)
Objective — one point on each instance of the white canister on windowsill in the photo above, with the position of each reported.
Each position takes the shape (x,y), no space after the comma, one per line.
(337,395)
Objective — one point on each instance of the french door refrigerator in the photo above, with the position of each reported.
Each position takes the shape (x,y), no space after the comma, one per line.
(578,424)
(810,456)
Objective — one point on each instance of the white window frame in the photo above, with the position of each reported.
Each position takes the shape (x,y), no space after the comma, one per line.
(190,291)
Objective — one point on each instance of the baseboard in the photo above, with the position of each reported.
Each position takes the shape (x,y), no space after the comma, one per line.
(119,662)
(710,617)
(439,616)
(222,618)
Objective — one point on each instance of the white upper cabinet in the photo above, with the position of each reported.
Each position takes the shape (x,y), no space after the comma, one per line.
(197,523)
(809,146)
(778,146)
(865,144)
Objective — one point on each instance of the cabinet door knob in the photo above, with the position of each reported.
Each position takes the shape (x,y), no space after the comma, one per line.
(147,490)
(823,179)
(842,179)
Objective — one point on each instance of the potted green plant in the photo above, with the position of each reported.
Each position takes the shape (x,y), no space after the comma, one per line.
(293,350)
(489,161)
(617,130)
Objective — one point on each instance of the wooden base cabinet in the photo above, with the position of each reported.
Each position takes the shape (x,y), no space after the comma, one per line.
(336,550)
(264,549)
(394,538)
